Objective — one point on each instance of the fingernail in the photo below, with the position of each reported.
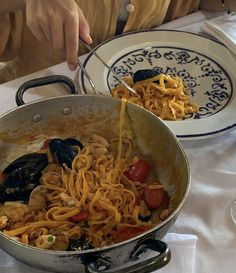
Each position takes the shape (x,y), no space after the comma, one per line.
(89,39)
(72,67)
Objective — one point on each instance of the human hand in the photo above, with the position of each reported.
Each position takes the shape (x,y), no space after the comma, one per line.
(59,22)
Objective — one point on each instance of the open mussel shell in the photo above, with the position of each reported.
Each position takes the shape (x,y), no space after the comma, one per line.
(22,176)
(74,142)
(144,74)
(63,150)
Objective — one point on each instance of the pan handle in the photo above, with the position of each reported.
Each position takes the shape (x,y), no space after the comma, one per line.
(41,82)
(145,266)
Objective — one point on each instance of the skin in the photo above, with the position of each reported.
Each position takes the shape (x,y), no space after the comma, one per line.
(62,22)
(58,22)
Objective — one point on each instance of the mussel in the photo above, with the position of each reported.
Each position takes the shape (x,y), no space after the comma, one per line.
(79,244)
(64,150)
(22,176)
(144,74)
(74,142)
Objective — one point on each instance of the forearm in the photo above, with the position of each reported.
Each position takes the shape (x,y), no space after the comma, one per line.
(218,5)
(7,6)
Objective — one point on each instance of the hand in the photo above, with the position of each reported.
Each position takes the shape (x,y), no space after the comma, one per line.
(59,22)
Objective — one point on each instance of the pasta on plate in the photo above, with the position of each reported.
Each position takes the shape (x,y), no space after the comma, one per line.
(104,194)
(164,95)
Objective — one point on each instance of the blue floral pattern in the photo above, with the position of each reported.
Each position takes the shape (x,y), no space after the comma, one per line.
(208,83)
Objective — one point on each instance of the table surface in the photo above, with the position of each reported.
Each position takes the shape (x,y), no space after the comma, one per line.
(212,161)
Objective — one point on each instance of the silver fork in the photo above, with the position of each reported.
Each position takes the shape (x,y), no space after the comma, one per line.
(77,83)
(87,76)
(118,78)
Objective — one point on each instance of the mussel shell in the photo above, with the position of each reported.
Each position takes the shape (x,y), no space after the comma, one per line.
(144,74)
(74,142)
(31,159)
(62,151)
(79,244)
(22,176)
(144,218)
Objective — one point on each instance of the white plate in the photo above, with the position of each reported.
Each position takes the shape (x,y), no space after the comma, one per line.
(206,66)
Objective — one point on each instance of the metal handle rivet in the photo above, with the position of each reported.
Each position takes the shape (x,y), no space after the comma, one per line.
(37,118)
(67,111)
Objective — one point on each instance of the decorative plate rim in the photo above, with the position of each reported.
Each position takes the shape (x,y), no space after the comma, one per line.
(186,136)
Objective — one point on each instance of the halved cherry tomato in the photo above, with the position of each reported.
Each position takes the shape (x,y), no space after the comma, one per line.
(153,197)
(82,216)
(139,171)
(126,233)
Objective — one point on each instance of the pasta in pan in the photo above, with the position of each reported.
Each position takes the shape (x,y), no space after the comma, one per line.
(99,200)
(164,95)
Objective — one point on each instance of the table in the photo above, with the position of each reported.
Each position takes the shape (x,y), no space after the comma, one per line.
(212,161)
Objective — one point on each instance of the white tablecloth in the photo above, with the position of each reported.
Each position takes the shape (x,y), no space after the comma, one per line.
(213,171)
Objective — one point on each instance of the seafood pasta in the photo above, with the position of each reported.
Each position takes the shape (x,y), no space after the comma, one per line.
(164,95)
(76,195)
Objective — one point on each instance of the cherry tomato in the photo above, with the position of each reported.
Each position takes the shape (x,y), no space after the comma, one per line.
(139,171)
(126,233)
(153,197)
(82,216)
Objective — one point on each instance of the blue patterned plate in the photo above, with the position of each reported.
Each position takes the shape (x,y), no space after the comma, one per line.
(206,66)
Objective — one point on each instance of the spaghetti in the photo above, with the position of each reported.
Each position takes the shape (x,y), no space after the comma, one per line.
(99,199)
(164,95)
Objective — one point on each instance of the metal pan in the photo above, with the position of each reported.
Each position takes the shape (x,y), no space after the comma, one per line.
(24,128)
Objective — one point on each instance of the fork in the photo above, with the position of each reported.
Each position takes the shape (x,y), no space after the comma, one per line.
(117,77)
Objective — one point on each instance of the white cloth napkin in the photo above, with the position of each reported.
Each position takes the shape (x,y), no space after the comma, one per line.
(223,28)
(182,247)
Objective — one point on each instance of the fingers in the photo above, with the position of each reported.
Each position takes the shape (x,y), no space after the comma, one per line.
(41,32)
(34,27)
(46,29)
(72,40)
(57,34)
(75,26)
(84,30)
(38,33)
(60,23)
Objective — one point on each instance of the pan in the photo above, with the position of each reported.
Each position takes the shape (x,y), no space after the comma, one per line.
(24,128)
